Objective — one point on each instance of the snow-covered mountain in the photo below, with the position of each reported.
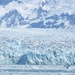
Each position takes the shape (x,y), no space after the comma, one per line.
(37,14)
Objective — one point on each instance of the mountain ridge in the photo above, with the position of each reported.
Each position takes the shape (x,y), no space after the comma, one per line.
(38,14)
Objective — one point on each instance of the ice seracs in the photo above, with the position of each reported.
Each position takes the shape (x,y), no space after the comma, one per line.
(25,47)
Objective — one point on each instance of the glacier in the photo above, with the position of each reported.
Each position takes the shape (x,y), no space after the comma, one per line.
(25,47)
(37,37)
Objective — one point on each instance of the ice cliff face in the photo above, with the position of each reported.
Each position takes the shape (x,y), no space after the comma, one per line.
(37,14)
(37,49)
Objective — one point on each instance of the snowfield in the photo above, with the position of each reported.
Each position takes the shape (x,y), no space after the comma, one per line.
(41,49)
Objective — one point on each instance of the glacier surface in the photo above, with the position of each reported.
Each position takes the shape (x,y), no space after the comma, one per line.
(37,47)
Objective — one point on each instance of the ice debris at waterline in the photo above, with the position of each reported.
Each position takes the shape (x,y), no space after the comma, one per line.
(37,49)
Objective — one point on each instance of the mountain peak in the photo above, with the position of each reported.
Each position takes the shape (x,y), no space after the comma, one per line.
(12,18)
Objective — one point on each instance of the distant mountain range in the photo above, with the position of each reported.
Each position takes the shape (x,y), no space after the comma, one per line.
(36,14)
